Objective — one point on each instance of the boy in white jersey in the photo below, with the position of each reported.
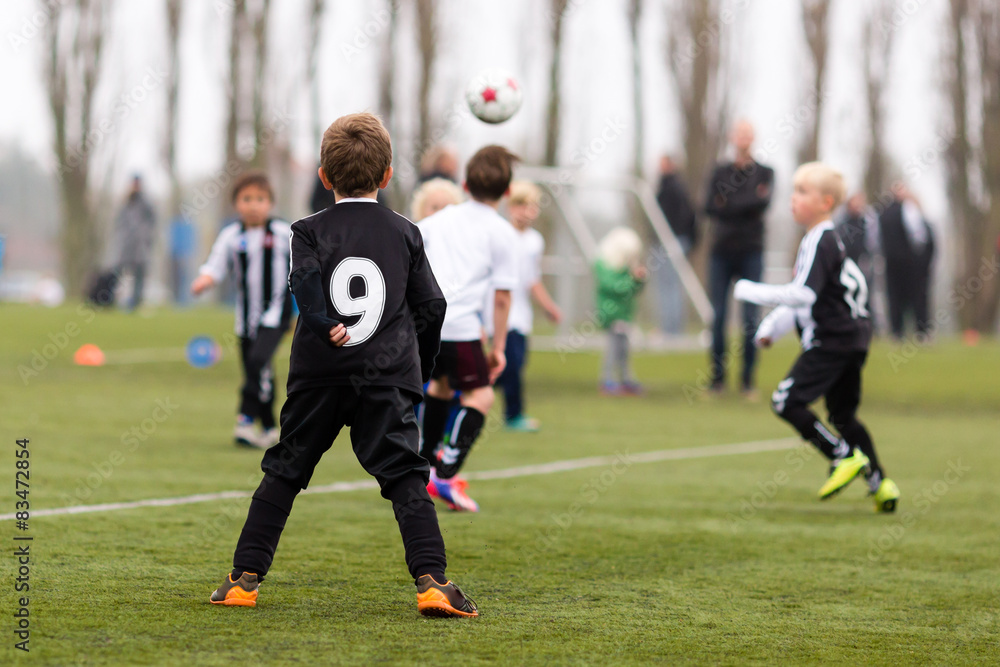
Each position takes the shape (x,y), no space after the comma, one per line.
(522,210)
(255,249)
(470,249)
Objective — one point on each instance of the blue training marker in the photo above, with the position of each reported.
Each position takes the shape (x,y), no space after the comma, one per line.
(203,352)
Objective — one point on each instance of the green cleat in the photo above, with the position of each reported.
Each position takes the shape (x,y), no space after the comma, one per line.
(887,496)
(843,472)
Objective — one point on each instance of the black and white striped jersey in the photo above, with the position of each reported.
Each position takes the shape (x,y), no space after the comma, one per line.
(828,294)
(258,259)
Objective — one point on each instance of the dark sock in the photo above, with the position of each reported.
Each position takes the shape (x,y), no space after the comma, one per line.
(856,435)
(418,526)
(468,424)
(432,430)
(812,430)
(269,510)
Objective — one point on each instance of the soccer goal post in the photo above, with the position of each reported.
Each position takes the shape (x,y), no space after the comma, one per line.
(573,220)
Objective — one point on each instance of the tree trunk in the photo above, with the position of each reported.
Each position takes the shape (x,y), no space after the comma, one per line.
(815,24)
(427,42)
(260,141)
(315,34)
(634,18)
(79,58)
(236,24)
(557,15)
(173,86)
(876,50)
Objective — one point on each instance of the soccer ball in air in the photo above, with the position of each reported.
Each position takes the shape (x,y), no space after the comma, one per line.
(493,96)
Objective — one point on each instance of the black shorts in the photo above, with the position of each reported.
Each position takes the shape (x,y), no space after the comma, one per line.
(463,364)
(384,433)
(836,376)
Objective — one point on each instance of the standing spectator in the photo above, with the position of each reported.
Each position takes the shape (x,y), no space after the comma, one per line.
(908,246)
(136,227)
(857,227)
(183,245)
(439,162)
(676,205)
(738,194)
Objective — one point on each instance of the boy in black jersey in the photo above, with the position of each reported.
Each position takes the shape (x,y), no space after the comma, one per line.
(368,333)
(827,301)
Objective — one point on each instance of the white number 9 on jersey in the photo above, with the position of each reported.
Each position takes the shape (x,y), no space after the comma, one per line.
(369,306)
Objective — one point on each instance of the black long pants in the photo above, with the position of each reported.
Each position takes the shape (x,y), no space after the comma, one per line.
(836,376)
(907,286)
(385,438)
(257,392)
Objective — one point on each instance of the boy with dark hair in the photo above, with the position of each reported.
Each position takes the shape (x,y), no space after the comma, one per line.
(368,300)
(255,249)
(471,249)
(827,301)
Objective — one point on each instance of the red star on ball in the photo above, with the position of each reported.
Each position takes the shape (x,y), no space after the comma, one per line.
(489,95)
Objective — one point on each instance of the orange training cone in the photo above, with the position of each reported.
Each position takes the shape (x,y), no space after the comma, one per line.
(89,355)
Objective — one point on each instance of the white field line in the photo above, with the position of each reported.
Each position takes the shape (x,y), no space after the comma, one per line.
(553,467)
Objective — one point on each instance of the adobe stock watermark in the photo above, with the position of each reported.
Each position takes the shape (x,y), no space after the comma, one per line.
(58,341)
(923,502)
(590,493)
(959,296)
(32,26)
(364,35)
(123,107)
(768,489)
(130,440)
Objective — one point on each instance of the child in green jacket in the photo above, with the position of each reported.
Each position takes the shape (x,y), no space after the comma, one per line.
(620,276)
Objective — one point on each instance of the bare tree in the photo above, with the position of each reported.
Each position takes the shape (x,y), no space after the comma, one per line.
(386,93)
(173,87)
(260,40)
(316,11)
(237,28)
(557,16)
(816,25)
(427,43)
(76,35)
(696,42)
(876,51)
(634,19)
(973,155)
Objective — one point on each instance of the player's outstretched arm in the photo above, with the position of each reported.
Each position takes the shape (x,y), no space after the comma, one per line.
(778,322)
(545,300)
(793,295)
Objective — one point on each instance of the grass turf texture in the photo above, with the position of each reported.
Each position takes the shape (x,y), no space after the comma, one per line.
(727,560)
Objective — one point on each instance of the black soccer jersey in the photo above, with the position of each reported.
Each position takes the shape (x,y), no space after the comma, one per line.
(376,281)
(839,318)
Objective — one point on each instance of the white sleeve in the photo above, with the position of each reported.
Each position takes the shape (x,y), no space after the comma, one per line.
(504,255)
(792,294)
(778,322)
(217,264)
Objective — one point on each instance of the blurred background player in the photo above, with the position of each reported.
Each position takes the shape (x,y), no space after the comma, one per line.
(432,196)
(357,262)
(471,250)
(739,193)
(620,276)
(522,210)
(827,301)
(254,249)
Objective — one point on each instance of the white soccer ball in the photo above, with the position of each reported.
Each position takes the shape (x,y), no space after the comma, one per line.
(493,96)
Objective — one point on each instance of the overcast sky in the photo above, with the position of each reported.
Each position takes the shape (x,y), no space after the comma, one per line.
(476,34)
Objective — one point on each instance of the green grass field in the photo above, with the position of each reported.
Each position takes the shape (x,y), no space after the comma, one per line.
(706,560)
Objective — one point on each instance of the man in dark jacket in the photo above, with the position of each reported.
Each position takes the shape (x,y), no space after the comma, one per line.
(907,242)
(676,205)
(738,194)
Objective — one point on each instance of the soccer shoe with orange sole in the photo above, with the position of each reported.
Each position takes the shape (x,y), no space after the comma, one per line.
(239,593)
(443,600)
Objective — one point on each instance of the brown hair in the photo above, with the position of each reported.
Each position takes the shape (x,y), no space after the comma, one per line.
(488,174)
(355,154)
(253,178)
